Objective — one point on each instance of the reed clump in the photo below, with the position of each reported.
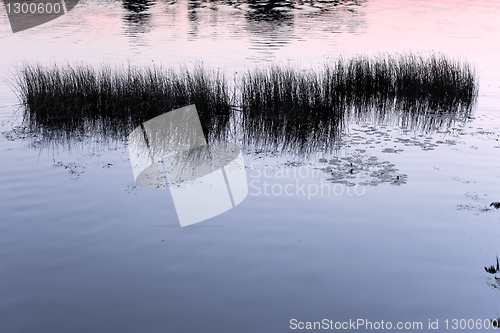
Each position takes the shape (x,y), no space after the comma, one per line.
(79,97)
(286,103)
(434,83)
(294,104)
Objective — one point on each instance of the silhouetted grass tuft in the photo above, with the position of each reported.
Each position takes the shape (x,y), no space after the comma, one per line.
(72,98)
(493,269)
(281,103)
(294,104)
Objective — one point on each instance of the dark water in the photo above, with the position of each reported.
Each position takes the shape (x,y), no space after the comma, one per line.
(321,235)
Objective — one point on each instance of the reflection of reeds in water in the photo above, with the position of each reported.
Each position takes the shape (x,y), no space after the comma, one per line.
(277,105)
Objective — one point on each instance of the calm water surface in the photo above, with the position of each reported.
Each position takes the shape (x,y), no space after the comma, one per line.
(82,249)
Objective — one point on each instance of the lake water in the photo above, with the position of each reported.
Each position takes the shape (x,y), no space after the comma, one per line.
(83,249)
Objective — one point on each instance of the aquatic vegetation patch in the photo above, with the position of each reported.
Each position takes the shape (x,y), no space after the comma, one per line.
(495,282)
(493,269)
(480,207)
(496,205)
(362,87)
(106,100)
(363,170)
(368,137)
(392,150)
(75,170)
(312,107)
(286,107)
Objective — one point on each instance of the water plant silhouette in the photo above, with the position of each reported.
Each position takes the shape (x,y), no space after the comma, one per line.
(493,269)
(79,98)
(284,106)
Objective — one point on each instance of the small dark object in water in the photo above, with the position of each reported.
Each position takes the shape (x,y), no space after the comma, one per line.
(495,204)
(495,322)
(493,269)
